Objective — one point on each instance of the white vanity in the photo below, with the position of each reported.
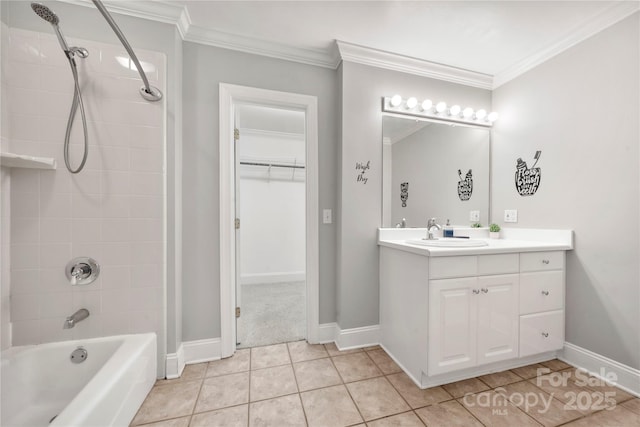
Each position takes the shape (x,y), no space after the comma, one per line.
(455,312)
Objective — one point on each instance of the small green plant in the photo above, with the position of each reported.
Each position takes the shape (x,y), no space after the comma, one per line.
(476,225)
(494,228)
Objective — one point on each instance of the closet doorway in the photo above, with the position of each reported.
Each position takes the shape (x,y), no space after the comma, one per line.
(245,105)
(270,240)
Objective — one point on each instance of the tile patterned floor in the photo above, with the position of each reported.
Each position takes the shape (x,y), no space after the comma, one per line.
(297,384)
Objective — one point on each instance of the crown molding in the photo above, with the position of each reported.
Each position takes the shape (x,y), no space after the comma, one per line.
(612,15)
(393,61)
(159,10)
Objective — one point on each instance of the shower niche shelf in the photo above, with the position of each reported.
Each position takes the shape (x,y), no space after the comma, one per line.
(13,160)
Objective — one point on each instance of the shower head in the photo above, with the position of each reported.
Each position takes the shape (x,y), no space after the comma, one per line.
(48,15)
(45,13)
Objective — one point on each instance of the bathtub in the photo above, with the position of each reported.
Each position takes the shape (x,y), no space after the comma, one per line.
(40,382)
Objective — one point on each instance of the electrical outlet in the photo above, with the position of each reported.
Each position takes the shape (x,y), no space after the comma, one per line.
(326,216)
(510,215)
(474,216)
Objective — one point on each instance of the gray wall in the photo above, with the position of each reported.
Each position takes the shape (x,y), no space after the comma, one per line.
(361,204)
(581,109)
(204,68)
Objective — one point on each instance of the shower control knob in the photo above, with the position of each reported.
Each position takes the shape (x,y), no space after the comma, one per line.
(82,270)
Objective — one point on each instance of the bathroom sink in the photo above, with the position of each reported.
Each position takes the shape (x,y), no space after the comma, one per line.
(449,243)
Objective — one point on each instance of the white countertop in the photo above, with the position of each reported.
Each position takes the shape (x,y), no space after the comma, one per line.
(515,240)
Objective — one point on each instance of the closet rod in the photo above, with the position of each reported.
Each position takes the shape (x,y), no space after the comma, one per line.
(275,165)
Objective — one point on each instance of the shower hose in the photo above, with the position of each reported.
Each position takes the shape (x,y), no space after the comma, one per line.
(77,101)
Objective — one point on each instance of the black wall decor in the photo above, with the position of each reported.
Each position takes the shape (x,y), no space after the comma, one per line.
(361,169)
(528,179)
(404,193)
(465,185)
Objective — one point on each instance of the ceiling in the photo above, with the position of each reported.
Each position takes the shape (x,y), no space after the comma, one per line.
(500,39)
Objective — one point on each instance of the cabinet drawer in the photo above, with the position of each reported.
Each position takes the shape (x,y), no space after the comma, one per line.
(452,266)
(497,264)
(541,291)
(541,332)
(541,261)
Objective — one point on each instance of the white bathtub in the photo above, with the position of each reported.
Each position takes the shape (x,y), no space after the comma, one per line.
(40,382)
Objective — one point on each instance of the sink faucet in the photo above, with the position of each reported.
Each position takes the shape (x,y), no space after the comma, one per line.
(402,224)
(76,317)
(430,225)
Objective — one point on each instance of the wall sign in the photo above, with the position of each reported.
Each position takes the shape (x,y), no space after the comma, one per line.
(361,169)
(528,179)
(465,185)
(404,193)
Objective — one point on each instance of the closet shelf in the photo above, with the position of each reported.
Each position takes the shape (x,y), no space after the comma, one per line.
(13,160)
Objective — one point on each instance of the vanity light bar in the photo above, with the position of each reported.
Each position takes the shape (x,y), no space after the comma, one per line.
(440,111)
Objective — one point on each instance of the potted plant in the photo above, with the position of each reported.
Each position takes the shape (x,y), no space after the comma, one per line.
(476,225)
(494,231)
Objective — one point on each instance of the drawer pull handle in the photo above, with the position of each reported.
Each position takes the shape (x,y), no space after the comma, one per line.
(545,261)
(546,293)
(545,334)
(485,290)
(476,291)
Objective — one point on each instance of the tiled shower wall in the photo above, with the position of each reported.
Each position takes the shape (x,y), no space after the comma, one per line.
(112,211)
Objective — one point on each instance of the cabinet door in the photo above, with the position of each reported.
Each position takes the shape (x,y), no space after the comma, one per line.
(498,318)
(452,324)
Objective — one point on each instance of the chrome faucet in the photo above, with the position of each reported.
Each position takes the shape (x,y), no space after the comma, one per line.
(76,317)
(402,224)
(430,225)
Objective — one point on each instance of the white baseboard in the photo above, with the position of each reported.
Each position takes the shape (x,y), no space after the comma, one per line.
(175,364)
(357,337)
(202,350)
(280,277)
(628,378)
(327,333)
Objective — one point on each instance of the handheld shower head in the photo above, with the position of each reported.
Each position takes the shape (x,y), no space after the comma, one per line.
(49,15)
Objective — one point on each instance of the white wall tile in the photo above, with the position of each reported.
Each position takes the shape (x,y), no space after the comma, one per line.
(56,79)
(54,280)
(116,253)
(115,158)
(56,304)
(146,275)
(146,160)
(91,300)
(55,230)
(145,298)
(115,230)
(24,47)
(25,281)
(86,230)
(114,206)
(145,252)
(146,184)
(115,324)
(145,230)
(25,256)
(25,307)
(52,129)
(24,205)
(145,207)
(24,75)
(116,277)
(115,182)
(56,105)
(149,137)
(84,205)
(25,332)
(51,54)
(55,255)
(90,327)
(24,181)
(25,230)
(24,126)
(116,301)
(51,330)
(86,182)
(24,101)
(55,205)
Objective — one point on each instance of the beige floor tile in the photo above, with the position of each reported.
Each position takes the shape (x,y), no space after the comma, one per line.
(529,371)
(333,350)
(493,409)
(384,362)
(617,417)
(372,348)
(460,388)
(633,405)
(223,391)
(174,422)
(447,414)
(236,416)
(376,398)
(282,411)
(408,419)
(562,386)
(190,373)
(356,366)
(556,365)
(239,362)
(272,382)
(314,374)
(538,404)
(416,397)
(599,385)
(168,401)
(271,355)
(330,407)
(302,350)
(500,378)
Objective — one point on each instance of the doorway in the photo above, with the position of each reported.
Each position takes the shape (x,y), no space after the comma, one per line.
(233,97)
(270,240)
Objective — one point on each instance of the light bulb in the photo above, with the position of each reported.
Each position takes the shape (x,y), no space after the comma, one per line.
(426,105)
(455,110)
(411,103)
(481,114)
(441,107)
(467,113)
(396,100)
(493,116)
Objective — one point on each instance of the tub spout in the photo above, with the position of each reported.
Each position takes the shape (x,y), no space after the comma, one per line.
(76,317)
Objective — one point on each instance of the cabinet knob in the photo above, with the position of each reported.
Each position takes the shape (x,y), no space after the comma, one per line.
(545,334)
(545,293)
(545,261)
(476,291)
(485,290)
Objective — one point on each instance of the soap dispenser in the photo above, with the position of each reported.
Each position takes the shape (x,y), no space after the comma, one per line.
(447,230)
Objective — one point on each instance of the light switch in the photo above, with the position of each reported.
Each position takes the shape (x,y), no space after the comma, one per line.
(474,216)
(326,216)
(510,215)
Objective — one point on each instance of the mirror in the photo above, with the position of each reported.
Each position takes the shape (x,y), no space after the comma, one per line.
(434,169)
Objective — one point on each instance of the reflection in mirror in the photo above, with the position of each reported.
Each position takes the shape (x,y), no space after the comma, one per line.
(433,169)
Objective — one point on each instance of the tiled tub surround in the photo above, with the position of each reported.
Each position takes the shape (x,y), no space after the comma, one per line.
(298,384)
(112,211)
